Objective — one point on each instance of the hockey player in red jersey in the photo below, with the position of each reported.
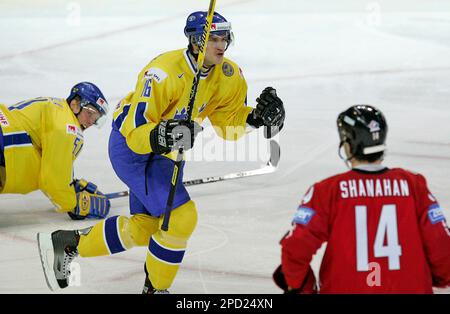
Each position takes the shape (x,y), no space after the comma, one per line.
(385,231)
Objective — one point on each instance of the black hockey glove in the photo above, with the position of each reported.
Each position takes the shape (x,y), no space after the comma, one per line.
(309,285)
(169,135)
(269,110)
(280,281)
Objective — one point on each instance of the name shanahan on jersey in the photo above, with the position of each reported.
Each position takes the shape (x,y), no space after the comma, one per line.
(162,92)
(385,231)
(41,138)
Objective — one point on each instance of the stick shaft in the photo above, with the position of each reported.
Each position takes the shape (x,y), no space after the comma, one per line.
(270,167)
(192,96)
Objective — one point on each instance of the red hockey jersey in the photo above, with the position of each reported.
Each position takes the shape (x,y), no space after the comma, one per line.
(385,233)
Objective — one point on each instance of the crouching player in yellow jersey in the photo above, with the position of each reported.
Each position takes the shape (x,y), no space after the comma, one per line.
(39,141)
(140,147)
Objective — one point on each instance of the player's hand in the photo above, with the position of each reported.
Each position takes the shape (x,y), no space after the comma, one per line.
(84,185)
(278,278)
(91,205)
(308,286)
(269,110)
(170,135)
(280,281)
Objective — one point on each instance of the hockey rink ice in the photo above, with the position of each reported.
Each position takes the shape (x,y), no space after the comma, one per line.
(321,56)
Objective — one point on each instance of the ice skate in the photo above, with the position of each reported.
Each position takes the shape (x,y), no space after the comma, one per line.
(57,250)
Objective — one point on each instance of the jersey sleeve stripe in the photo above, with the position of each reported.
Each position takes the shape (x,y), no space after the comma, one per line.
(121,117)
(16,139)
(139,117)
(24,104)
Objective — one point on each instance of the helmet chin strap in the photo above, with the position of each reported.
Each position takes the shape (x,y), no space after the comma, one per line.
(191,51)
(346,160)
(195,57)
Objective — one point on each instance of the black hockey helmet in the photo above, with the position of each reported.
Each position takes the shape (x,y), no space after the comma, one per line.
(364,128)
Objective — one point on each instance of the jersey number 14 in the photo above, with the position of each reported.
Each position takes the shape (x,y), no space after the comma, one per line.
(387,229)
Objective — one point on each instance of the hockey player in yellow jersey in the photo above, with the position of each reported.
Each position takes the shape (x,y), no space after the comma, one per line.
(142,148)
(39,141)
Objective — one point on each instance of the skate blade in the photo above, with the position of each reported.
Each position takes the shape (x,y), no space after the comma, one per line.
(45,245)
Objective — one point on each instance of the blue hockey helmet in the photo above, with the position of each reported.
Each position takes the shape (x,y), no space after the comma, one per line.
(196,21)
(90,95)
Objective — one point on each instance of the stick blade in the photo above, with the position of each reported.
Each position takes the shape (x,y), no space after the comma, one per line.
(275,153)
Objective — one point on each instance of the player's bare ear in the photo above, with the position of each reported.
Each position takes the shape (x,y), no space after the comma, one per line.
(75,105)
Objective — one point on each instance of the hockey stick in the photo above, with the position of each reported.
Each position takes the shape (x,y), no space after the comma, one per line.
(270,167)
(200,59)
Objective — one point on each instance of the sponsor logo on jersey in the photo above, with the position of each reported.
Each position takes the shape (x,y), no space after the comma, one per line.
(72,129)
(155,73)
(181,75)
(3,120)
(435,214)
(227,69)
(303,215)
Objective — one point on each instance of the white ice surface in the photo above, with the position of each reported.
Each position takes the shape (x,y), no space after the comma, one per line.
(322,56)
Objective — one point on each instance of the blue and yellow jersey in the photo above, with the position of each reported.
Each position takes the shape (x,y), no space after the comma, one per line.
(42,138)
(162,92)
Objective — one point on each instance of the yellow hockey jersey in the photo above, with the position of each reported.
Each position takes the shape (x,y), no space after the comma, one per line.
(162,92)
(42,138)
